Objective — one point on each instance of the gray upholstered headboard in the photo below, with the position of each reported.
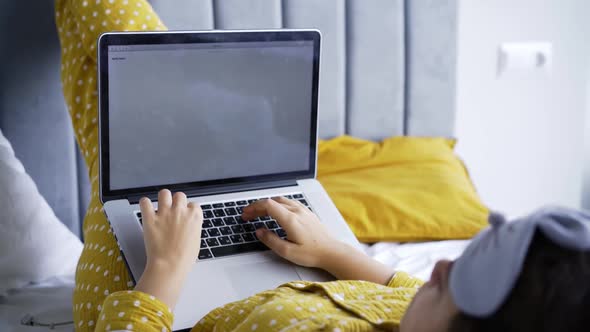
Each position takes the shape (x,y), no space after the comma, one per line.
(387,68)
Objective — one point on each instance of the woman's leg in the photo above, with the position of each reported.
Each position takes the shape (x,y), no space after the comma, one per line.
(101,269)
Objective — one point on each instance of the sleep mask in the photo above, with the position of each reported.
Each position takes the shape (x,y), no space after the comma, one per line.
(483,277)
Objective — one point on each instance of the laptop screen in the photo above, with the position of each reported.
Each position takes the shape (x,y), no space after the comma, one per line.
(182,113)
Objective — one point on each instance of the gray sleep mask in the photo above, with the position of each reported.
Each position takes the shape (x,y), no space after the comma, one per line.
(483,277)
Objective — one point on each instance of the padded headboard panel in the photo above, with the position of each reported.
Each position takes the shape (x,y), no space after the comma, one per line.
(387,68)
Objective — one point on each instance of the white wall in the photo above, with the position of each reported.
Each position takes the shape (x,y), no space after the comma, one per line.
(586,179)
(522,137)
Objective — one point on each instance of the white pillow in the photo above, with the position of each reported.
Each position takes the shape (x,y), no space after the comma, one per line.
(34,244)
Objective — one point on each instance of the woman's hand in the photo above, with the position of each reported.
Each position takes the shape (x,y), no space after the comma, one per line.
(172,239)
(308,240)
(173,234)
(309,243)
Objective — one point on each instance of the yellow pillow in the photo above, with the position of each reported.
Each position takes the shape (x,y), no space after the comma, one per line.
(401,189)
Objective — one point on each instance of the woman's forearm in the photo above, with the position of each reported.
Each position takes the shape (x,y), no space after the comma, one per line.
(348,263)
(163,282)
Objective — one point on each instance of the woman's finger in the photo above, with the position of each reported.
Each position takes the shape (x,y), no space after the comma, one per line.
(268,207)
(265,207)
(287,203)
(164,199)
(147,209)
(179,200)
(193,206)
(196,211)
(284,200)
(298,204)
(290,202)
(281,247)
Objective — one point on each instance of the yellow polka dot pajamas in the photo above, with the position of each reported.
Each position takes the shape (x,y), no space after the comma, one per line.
(313,306)
(102,299)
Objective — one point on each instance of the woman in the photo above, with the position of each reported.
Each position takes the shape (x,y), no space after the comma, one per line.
(105,298)
(533,275)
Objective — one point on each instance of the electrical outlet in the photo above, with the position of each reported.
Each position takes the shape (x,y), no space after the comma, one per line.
(525,57)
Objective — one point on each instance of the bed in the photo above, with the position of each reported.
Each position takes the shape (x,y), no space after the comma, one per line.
(387,68)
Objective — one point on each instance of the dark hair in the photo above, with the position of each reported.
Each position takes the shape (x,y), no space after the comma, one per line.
(551,294)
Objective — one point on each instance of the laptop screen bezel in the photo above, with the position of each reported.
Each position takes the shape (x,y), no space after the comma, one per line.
(191,37)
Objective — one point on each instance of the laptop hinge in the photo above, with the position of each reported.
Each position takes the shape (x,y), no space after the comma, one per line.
(216,190)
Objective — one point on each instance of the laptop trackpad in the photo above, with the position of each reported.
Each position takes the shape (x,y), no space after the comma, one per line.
(249,279)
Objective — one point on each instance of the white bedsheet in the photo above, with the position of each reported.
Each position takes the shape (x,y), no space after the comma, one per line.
(417,259)
(51,301)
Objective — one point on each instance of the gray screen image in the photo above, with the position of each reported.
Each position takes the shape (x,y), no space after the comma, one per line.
(196,112)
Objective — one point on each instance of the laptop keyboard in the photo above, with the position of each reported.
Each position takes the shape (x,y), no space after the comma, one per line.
(225,233)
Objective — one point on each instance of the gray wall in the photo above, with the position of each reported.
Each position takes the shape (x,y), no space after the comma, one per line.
(33,115)
(522,137)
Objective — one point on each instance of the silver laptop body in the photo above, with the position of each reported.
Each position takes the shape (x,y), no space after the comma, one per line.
(227,117)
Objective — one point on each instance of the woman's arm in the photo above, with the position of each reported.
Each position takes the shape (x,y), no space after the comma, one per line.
(172,242)
(309,243)
(348,263)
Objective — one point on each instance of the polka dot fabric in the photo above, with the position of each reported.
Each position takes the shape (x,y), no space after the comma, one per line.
(330,306)
(101,270)
(131,310)
(102,300)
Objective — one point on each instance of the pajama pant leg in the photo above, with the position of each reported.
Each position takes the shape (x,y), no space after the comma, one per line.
(101,269)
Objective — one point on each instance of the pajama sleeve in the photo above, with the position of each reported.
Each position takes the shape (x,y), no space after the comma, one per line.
(402,279)
(134,311)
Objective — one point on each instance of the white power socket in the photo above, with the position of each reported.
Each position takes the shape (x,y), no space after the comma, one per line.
(525,57)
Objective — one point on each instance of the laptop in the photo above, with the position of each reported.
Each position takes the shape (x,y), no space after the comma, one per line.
(227,117)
